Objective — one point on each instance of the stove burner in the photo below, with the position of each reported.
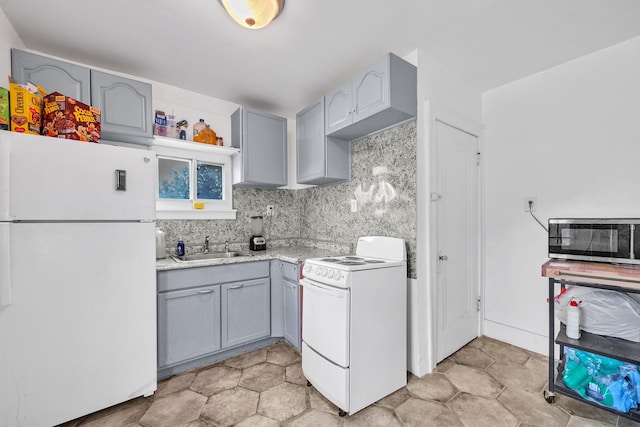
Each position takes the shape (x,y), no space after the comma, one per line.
(373,261)
(330,259)
(353,258)
(352,262)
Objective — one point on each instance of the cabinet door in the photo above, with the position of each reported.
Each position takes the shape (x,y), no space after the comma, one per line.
(338,108)
(262,139)
(125,106)
(245,312)
(188,324)
(53,75)
(291,313)
(277,299)
(371,90)
(310,143)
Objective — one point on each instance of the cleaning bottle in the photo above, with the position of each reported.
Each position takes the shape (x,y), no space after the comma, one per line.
(573,320)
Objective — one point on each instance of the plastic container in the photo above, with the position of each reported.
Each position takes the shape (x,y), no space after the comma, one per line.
(161,244)
(198,127)
(180,248)
(573,320)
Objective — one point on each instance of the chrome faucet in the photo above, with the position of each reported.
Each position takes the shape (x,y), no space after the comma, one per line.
(226,246)
(205,247)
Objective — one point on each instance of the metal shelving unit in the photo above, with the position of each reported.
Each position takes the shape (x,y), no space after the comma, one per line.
(615,348)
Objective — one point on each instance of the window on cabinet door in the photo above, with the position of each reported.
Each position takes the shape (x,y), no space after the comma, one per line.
(193,181)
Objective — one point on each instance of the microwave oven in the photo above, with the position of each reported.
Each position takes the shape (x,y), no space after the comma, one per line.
(614,241)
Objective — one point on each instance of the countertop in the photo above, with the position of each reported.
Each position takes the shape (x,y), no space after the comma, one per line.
(593,272)
(293,254)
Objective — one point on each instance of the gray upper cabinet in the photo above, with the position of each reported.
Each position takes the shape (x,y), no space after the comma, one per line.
(338,107)
(380,96)
(262,140)
(53,75)
(246,313)
(320,159)
(125,105)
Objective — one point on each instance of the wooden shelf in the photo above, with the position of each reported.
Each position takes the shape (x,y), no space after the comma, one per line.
(608,276)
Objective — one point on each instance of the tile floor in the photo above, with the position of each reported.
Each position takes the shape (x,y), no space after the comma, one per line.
(486,383)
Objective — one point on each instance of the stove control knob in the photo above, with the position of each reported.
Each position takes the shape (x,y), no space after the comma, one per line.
(323,271)
(307,268)
(330,274)
(338,275)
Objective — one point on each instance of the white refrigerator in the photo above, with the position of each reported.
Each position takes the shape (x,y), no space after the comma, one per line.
(77,278)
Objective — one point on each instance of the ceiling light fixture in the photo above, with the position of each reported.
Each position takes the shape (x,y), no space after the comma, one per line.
(253,14)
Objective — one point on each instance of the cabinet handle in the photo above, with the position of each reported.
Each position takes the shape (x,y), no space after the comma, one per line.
(208,291)
(236,287)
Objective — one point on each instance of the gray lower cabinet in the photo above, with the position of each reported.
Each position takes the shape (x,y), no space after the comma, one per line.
(382,95)
(125,104)
(189,324)
(245,312)
(262,140)
(319,159)
(204,311)
(285,302)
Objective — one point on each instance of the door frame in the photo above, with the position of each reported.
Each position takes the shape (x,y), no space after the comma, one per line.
(427,225)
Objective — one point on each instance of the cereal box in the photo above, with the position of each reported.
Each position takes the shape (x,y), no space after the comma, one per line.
(25,109)
(65,117)
(4,109)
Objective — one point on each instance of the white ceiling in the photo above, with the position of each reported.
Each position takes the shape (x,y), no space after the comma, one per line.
(316,44)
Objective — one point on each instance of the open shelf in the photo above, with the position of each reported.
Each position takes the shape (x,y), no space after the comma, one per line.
(616,348)
(561,388)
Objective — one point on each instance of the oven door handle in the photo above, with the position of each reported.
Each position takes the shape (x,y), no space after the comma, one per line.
(321,289)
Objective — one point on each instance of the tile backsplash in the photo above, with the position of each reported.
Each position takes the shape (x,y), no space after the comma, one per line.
(383,183)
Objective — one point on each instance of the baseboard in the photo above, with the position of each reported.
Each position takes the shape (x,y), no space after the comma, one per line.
(518,337)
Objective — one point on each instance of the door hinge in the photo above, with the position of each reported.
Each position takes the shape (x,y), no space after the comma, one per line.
(477,159)
(478,307)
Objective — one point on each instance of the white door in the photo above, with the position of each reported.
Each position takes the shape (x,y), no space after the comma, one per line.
(456,184)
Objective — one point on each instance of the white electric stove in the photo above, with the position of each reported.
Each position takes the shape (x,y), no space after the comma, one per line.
(354,323)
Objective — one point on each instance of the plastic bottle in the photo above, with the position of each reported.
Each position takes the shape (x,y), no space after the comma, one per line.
(161,244)
(180,248)
(197,128)
(573,320)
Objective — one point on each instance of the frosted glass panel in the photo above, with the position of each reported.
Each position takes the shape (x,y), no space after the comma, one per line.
(173,179)
(209,181)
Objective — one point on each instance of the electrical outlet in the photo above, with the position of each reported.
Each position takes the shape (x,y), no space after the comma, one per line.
(533,206)
(354,205)
(269,210)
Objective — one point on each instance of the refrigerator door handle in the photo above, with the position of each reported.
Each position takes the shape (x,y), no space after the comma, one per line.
(5,265)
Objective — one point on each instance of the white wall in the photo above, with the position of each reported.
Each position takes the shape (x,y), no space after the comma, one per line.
(8,39)
(569,136)
(437,87)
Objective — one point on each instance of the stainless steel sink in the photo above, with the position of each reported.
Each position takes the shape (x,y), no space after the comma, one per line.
(205,255)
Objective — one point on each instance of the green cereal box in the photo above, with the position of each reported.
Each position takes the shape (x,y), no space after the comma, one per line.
(4,109)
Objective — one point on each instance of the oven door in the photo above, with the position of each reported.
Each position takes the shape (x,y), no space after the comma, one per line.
(590,240)
(325,321)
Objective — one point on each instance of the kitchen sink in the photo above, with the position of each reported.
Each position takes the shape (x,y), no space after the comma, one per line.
(206,255)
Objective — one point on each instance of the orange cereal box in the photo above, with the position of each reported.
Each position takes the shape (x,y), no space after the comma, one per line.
(65,117)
